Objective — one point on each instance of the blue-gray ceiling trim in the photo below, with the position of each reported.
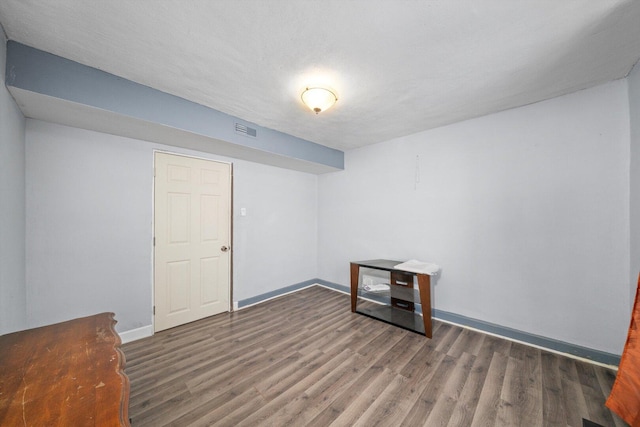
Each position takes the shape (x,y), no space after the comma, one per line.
(43,73)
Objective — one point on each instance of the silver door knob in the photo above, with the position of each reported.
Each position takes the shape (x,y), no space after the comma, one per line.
(225,248)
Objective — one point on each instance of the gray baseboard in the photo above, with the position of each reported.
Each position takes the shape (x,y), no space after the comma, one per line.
(514,334)
(276,293)
(537,340)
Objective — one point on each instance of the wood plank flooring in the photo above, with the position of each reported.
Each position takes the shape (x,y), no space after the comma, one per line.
(305,360)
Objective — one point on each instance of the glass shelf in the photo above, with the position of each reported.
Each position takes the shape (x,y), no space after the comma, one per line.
(395,292)
(402,303)
(405,319)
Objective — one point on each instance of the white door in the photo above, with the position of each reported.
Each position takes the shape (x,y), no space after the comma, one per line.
(192,239)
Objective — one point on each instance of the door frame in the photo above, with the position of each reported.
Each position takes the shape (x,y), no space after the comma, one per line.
(153,227)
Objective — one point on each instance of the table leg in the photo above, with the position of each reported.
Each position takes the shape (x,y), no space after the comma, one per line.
(355,273)
(424,284)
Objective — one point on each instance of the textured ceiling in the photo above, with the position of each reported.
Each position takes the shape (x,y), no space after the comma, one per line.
(398,66)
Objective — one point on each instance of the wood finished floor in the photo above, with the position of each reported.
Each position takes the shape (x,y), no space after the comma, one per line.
(305,360)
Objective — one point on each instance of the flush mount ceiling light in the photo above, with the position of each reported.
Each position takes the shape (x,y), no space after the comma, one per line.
(318,98)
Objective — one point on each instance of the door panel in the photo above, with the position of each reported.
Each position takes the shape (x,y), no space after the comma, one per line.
(192,216)
(178,222)
(178,280)
(208,272)
(208,207)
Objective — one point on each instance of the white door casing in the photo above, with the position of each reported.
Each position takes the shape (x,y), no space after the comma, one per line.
(192,229)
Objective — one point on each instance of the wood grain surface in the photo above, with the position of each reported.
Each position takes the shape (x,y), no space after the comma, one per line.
(67,374)
(305,359)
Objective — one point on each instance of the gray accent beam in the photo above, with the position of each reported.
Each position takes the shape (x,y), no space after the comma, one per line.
(31,71)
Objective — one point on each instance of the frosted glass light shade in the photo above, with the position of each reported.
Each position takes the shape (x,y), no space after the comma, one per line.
(318,98)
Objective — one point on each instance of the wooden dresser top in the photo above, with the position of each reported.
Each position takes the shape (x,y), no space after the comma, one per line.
(67,374)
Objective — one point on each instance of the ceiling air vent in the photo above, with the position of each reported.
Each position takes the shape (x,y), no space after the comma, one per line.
(246,131)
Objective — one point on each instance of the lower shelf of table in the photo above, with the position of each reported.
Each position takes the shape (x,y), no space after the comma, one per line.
(394,316)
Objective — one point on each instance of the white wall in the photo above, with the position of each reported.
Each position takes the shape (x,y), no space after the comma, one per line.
(12,208)
(634,116)
(526,210)
(275,244)
(89,225)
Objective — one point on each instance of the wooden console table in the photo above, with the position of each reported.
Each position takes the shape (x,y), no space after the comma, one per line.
(67,374)
(396,306)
